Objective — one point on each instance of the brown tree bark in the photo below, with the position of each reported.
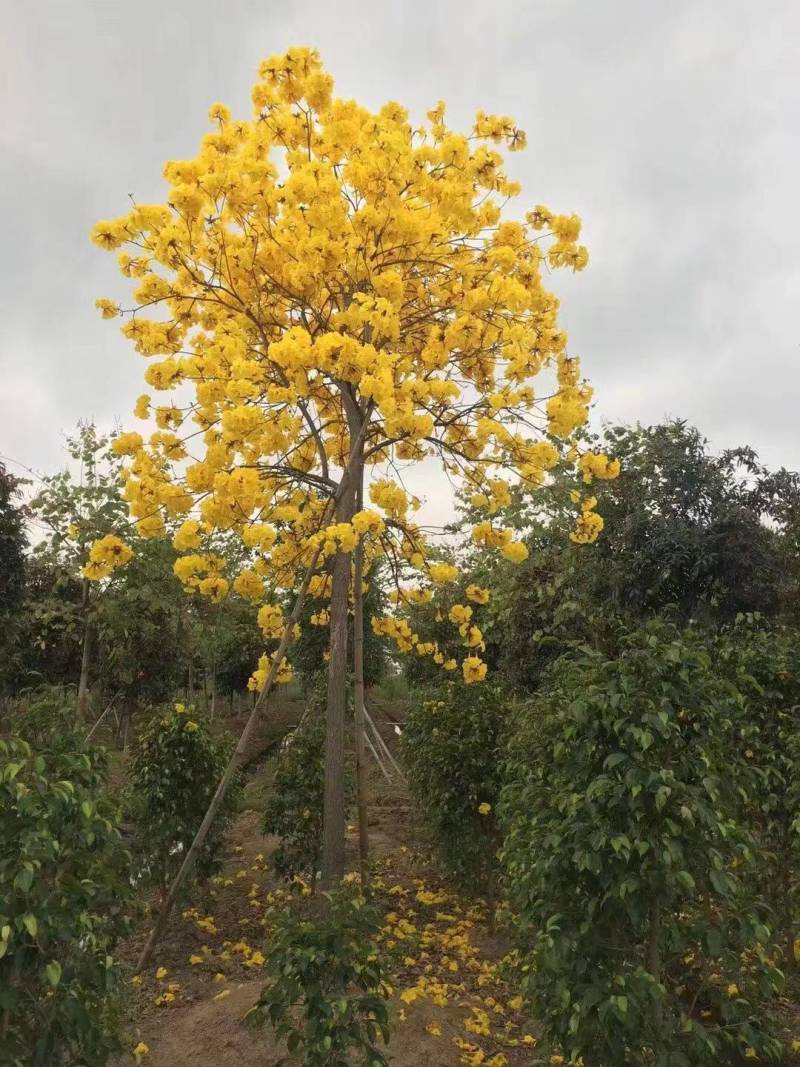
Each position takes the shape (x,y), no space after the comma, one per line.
(359,724)
(333,817)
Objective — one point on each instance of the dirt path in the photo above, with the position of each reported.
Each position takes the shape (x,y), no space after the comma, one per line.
(211,1033)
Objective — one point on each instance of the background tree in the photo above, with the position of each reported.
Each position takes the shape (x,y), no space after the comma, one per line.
(78,506)
(13,543)
(700,536)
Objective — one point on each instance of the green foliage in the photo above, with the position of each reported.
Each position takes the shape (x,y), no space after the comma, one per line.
(64,890)
(761,660)
(42,642)
(307,653)
(45,719)
(702,536)
(327,994)
(13,541)
(226,640)
(452,745)
(628,863)
(176,767)
(136,621)
(294,807)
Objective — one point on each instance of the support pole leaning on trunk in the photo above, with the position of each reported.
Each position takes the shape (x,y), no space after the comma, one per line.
(362,799)
(216,802)
(382,744)
(241,745)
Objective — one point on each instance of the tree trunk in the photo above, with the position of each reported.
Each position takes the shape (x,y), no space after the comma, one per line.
(125,715)
(333,816)
(333,820)
(359,723)
(86,653)
(653,955)
(653,960)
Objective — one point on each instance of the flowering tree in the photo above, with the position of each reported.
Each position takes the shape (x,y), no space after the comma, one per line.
(329,295)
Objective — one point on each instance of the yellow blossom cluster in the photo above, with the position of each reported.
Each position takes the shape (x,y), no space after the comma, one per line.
(597,465)
(588,524)
(106,556)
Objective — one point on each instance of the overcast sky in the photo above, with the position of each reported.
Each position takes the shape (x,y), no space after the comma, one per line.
(670,127)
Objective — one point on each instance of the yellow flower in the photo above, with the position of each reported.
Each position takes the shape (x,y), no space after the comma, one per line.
(162,972)
(434,1029)
(222,995)
(106,556)
(474,669)
(477,594)
(516,551)
(732,990)
(484,808)
(140,1050)
(107,308)
(194,960)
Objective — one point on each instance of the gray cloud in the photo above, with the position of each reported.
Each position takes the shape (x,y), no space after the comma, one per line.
(672,128)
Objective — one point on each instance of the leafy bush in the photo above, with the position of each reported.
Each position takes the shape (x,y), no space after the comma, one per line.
(628,863)
(294,807)
(327,992)
(452,745)
(45,718)
(175,770)
(64,890)
(761,660)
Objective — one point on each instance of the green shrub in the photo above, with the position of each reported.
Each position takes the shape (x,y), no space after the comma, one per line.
(175,770)
(628,863)
(327,994)
(452,745)
(46,717)
(761,660)
(294,807)
(64,891)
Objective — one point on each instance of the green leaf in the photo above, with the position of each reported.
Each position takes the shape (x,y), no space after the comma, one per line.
(30,924)
(24,879)
(53,972)
(11,771)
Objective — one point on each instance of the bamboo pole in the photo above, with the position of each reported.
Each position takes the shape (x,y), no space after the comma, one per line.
(382,744)
(378,759)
